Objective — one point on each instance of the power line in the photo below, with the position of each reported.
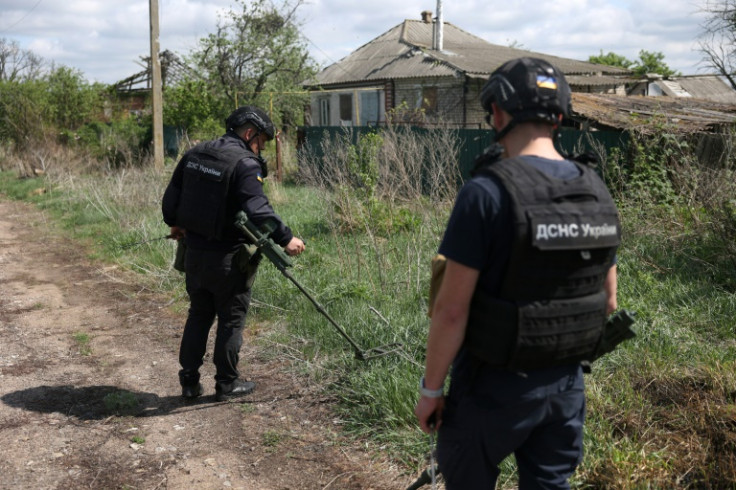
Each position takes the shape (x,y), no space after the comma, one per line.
(326,55)
(22,18)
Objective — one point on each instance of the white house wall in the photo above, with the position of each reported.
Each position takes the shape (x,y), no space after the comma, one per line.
(458,102)
(358,95)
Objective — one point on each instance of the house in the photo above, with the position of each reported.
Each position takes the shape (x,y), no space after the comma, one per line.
(426,72)
(707,87)
(135,90)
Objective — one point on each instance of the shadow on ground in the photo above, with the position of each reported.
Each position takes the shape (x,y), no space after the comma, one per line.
(99,402)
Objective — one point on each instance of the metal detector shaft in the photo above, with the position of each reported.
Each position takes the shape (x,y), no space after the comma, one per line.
(356,348)
(281,260)
(136,244)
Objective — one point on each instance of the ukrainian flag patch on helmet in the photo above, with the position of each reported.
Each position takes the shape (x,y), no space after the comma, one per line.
(546,81)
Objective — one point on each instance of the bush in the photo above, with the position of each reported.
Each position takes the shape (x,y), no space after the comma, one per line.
(381,182)
(192,107)
(117,144)
(22,112)
(33,108)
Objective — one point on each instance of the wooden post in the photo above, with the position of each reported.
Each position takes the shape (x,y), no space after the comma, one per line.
(279,172)
(156,90)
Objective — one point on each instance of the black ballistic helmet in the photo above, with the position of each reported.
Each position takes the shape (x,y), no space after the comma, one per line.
(251,114)
(529,89)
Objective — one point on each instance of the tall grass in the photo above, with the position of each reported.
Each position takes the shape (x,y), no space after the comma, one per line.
(660,408)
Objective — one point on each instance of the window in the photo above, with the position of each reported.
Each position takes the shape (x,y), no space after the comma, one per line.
(429,100)
(346,108)
(369,102)
(324,112)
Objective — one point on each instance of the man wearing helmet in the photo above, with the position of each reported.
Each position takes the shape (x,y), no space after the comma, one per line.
(529,279)
(210,184)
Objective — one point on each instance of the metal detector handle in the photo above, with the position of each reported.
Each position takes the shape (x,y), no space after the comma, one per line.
(429,475)
(263,241)
(423,479)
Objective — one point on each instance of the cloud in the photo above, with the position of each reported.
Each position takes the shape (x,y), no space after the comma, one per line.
(105,40)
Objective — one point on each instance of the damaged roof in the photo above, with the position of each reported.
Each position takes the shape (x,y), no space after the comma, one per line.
(642,113)
(405,51)
(711,87)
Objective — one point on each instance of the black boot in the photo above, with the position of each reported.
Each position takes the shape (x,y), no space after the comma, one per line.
(239,387)
(190,392)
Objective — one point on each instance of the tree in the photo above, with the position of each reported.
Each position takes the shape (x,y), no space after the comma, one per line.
(258,56)
(18,64)
(652,62)
(59,102)
(22,112)
(648,62)
(611,59)
(191,106)
(718,40)
(72,101)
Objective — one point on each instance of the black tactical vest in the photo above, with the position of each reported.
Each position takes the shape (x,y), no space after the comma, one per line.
(204,196)
(551,307)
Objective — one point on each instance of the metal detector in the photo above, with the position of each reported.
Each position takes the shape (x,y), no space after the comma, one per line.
(278,257)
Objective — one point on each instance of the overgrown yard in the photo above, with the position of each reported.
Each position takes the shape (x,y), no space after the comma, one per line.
(661,409)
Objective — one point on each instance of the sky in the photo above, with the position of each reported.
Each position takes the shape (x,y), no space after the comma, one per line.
(105,39)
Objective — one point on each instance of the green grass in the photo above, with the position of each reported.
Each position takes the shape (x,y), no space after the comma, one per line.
(660,408)
(82,340)
(272,438)
(121,403)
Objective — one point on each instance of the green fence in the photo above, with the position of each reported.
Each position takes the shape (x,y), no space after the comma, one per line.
(473,141)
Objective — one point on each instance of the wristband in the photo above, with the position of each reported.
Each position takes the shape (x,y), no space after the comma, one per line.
(430,393)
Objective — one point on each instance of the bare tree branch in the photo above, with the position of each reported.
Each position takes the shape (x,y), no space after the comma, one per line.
(18,64)
(718,40)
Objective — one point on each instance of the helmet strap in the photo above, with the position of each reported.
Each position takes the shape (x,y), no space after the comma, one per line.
(248,141)
(258,132)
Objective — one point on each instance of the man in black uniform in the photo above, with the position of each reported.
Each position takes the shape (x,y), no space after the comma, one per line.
(211,183)
(529,279)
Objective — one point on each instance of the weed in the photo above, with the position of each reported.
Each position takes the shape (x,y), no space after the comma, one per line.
(246,408)
(83,340)
(121,403)
(271,438)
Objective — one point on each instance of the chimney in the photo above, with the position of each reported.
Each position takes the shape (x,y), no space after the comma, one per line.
(427,16)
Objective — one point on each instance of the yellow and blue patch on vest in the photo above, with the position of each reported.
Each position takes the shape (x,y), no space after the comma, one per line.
(546,81)
(259,177)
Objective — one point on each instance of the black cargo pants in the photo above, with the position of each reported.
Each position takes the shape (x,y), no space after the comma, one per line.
(216,288)
(537,416)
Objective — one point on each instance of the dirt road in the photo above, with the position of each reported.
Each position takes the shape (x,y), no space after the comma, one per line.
(89,396)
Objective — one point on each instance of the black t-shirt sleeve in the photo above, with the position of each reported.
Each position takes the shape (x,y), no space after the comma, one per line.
(470,231)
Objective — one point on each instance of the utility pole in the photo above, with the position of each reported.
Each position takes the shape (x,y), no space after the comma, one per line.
(440,26)
(158,126)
